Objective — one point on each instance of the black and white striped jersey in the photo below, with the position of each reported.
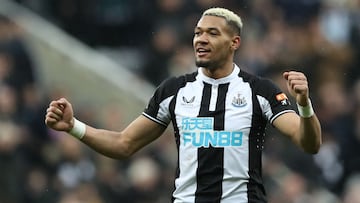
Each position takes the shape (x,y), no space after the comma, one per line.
(219,129)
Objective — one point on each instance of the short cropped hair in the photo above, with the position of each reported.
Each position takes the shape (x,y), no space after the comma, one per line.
(233,20)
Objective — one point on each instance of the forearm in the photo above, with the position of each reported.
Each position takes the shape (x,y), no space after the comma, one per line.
(304,129)
(119,145)
(310,134)
(108,143)
(113,144)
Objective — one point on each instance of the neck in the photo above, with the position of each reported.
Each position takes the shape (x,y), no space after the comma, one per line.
(219,72)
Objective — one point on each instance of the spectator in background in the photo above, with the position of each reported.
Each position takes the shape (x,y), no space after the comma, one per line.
(22,137)
(158,54)
(21,71)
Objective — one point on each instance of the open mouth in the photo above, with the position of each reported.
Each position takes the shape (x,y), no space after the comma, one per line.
(202,52)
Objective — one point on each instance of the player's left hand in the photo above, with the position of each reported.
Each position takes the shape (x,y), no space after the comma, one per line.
(297,85)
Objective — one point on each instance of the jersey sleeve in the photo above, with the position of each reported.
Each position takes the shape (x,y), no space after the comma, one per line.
(158,106)
(273,101)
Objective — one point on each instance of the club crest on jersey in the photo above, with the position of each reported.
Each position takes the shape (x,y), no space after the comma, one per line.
(239,100)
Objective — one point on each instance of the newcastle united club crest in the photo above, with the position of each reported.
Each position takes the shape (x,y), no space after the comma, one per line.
(238,100)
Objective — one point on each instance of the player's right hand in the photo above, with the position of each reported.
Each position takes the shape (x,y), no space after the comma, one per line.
(59,115)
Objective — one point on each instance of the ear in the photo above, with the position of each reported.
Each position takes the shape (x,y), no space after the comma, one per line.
(236,41)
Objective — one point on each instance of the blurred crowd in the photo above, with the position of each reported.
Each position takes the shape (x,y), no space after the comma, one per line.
(319,37)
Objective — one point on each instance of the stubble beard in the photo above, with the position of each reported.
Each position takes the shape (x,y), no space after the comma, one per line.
(205,64)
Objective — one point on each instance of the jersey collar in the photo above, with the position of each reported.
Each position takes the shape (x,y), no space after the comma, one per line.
(223,80)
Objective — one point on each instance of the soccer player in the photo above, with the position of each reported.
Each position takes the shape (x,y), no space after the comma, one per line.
(219,114)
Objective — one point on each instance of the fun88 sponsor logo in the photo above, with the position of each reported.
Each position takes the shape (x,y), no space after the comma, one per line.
(199,133)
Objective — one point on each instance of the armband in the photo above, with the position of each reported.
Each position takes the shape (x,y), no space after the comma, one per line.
(306,111)
(78,130)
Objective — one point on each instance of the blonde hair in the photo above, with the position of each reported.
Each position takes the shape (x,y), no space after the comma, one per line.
(231,18)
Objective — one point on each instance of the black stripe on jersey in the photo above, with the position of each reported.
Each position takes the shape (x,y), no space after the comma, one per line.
(256,190)
(210,169)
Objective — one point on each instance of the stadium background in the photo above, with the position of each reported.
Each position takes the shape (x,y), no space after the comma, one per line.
(107,57)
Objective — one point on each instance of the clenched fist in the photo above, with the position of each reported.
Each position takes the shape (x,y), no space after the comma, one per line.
(297,85)
(59,115)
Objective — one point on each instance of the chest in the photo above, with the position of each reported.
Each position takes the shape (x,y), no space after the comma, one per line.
(228,106)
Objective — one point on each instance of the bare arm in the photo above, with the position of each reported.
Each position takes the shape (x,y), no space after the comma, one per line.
(304,132)
(113,144)
(123,144)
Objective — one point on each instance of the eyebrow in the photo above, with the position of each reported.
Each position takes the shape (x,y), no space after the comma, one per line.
(209,28)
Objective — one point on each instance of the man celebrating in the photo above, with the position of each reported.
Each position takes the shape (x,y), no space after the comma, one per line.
(219,114)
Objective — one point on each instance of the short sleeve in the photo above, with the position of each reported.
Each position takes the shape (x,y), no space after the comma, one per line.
(273,101)
(158,106)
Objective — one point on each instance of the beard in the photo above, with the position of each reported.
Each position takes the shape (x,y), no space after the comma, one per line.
(210,65)
(205,64)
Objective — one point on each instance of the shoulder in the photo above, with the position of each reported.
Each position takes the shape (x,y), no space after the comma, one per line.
(180,80)
(172,85)
(258,83)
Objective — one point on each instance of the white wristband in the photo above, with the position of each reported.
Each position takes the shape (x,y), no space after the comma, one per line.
(306,111)
(78,130)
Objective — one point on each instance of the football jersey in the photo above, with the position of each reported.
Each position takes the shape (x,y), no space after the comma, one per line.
(219,127)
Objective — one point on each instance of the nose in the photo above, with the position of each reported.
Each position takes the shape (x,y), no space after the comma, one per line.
(201,38)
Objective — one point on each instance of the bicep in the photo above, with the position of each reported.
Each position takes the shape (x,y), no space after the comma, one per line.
(288,124)
(141,132)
